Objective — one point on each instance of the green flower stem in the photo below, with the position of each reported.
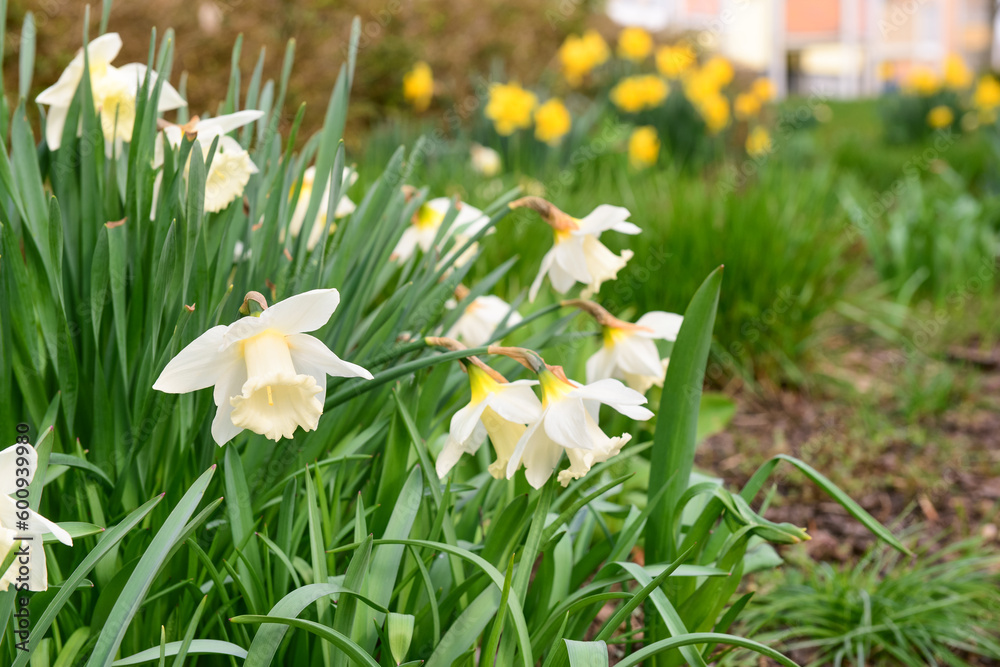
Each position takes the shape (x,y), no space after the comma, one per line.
(355,389)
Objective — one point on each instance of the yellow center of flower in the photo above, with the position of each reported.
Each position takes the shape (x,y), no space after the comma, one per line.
(428,218)
(554,388)
(481,384)
(613,336)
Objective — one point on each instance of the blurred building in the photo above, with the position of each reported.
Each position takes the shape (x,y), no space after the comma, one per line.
(845,48)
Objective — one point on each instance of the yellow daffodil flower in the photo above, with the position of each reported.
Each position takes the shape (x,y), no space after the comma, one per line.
(940,116)
(673,61)
(758,142)
(643,147)
(552,122)
(635,44)
(637,93)
(510,107)
(418,86)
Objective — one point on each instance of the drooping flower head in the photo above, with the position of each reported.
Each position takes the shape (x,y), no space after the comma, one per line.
(269,375)
(578,254)
(643,147)
(497,408)
(418,86)
(569,423)
(635,44)
(510,107)
(25,525)
(114,91)
(552,122)
(628,352)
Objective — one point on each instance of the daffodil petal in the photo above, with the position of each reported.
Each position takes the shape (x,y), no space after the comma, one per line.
(543,270)
(615,394)
(312,351)
(303,312)
(639,356)
(565,423)
(664,325)
(517,402)
(197,365)
(8,464)
(570,258)
(464,421)
(601,365)
(230,383)
(606,217)
(55,122)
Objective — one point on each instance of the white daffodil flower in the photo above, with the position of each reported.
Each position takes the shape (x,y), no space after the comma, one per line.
(480,320)
(578,254)
(269,376)
(231,166)
(344,207)
(629,352)
(114,90)
(569,423)
(427,220)
(499,409)
(485,161)
(17,522)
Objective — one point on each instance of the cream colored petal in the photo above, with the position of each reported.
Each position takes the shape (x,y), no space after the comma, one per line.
(517,402)
(274,406)
(55,122)
(303,312)
(227,123)
(198,365)
(566,423)
(541,456)
(9,465)
(230,383)
(664,325)
(504,435)
(601,365)
(571,258)
(463,422)
(639,356)
(606,217)
(311,350)
(407,244)
(613,393)
(543,270)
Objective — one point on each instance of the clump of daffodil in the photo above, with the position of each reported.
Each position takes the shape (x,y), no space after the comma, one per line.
(922,80)
(567,425)
(552,122)
(19,523)
(643,147)
(746,106)
(758,142)
(763,89)
(498,409)
(510,107)
(957,75)
(231,166)
(635,44)
(940,116)
(269,374)
(578,254)
(418,86)
(629,352)
(485,160)
(579,55)
(703,88)
(114,91)
(673,61)
(637,93)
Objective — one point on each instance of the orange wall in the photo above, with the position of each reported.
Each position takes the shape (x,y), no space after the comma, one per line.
(805,17)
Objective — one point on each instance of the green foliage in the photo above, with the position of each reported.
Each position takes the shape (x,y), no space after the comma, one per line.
(942,607)
(342,545)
